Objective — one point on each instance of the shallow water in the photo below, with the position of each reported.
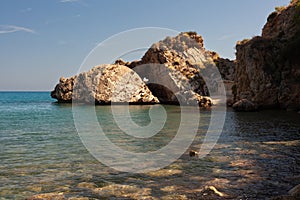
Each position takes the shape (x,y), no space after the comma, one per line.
(257,155)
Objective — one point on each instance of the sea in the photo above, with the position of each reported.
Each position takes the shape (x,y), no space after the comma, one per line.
(256,156)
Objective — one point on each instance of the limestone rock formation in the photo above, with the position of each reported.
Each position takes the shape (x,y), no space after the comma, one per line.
(180,64)
(104,84)
(268,66)
(176,70)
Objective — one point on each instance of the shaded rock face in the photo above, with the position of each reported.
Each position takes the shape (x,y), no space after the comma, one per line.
(64,89)
(226,68)
(183,57)
(268,66)
(104,84)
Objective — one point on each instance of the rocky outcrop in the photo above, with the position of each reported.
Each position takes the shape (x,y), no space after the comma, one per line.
(268,72)
(104,84)
(181,64)
(176,70)
(185,60)
(63,91)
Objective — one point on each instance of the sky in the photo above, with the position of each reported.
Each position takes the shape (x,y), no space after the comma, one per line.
(40,41)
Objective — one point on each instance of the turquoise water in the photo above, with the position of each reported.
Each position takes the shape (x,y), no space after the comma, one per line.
(257,155)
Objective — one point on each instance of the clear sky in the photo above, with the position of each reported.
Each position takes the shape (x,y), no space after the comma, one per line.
(41,41)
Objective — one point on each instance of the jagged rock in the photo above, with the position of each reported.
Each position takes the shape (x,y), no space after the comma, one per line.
(104,84)
(268,72)
(281,23)
(172,68)
(244,105)
(177,65)
(64,89)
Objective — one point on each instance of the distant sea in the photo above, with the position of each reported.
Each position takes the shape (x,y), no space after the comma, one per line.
(257,155)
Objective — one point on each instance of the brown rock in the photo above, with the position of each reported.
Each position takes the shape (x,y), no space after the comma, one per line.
(244,105)
(87,185)
(104,84)
(226,68)
(267,71)
(193,153)
(177,65)
(48,196)
(64,89)
(192,98)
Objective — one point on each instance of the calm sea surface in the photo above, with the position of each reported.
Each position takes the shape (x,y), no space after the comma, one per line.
(257,155)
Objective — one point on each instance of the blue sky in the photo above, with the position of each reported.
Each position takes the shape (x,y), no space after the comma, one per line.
(41,41)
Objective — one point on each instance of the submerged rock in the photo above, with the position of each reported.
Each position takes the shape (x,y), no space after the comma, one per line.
(104,84)
(193,153)
(48,196)
(244,105)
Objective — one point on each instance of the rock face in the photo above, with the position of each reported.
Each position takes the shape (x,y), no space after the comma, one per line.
(226,68)
(181,64)
(268,66)
(185,60)
(104,84)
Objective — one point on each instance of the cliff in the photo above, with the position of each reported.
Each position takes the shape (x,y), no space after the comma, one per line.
(268,66)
